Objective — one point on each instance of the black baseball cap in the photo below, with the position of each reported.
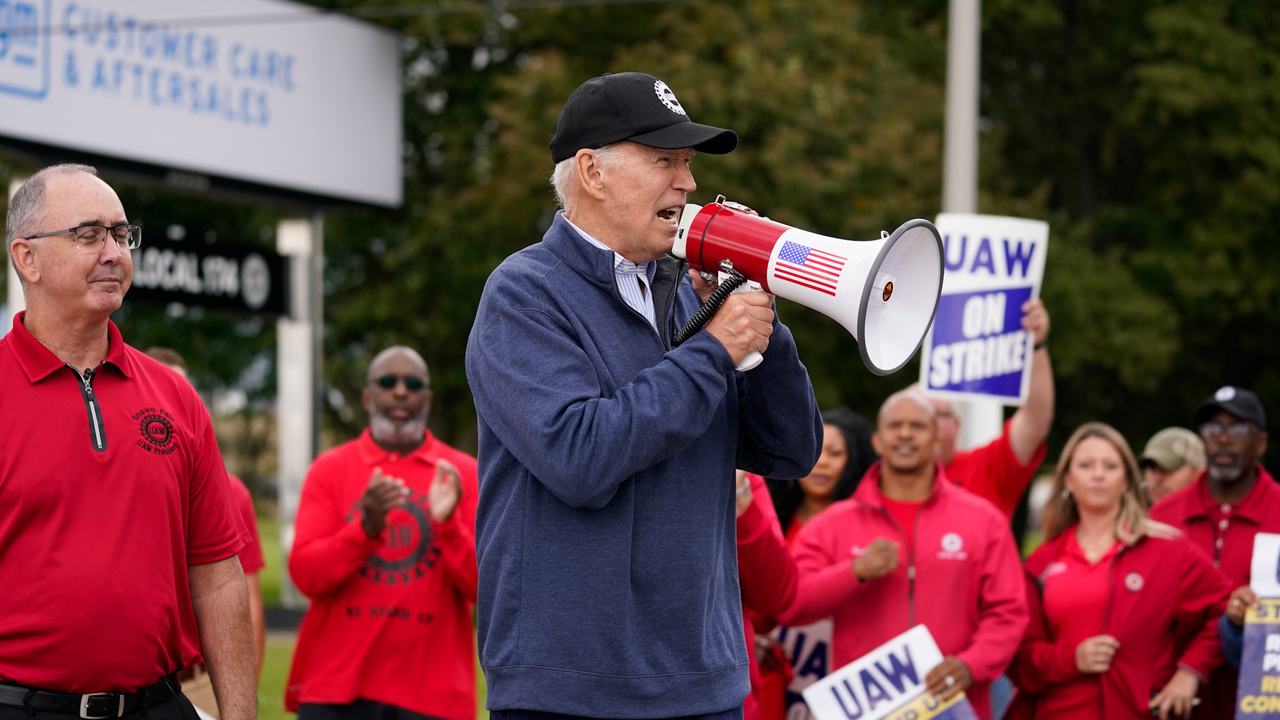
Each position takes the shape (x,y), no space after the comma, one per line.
(636,107)
(1237,401)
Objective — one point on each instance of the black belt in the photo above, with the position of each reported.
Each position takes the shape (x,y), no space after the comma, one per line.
(91,706)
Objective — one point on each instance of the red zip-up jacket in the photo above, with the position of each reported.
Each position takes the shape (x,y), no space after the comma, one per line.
(963,582)
(766,573)
(1155,585)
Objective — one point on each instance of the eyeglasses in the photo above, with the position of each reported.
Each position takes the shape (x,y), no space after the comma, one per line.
(412,383)
(1234,431)
(92,237)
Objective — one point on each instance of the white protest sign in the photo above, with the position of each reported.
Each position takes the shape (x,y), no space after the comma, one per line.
(1264,570)
(976,347)
(267,91)
(878,683)
(808,648)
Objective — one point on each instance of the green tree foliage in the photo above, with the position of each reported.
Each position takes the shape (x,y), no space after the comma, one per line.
(1150,130)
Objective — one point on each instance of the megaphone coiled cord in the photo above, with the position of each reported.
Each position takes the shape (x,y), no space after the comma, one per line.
(710,307)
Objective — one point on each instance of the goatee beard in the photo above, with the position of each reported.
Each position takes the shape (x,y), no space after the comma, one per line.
(390,433)
(1226,473)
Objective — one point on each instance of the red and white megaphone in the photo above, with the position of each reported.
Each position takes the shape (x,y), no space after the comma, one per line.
(885,292)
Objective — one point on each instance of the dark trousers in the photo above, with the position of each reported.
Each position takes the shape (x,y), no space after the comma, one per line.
(178,707)
(361,709)
(734,714)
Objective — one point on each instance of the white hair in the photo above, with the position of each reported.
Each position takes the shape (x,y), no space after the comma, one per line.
(566,172)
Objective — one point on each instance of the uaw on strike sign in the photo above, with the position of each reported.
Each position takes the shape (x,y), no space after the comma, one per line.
(976,346)
(887,683)
(1258,692)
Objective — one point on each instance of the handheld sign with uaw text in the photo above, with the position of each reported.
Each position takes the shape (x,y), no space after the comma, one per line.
(887,684)
(1258,691)
(976,348)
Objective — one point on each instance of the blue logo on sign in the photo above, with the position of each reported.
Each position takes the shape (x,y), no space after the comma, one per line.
(978,342)
(24,48)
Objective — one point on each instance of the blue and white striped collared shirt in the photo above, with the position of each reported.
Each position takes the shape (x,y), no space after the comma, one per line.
(635,282)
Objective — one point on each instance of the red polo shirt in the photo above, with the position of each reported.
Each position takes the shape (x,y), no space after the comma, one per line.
(103,507)
(390,617)
(1075,609)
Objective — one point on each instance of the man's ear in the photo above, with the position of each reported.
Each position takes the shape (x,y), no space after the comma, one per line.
(23,257)
(877,443)
(364,400)
(590,173)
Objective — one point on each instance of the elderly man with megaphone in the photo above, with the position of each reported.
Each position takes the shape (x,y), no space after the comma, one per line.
(605,530)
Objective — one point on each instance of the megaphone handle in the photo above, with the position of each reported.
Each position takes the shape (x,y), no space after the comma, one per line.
(752,360)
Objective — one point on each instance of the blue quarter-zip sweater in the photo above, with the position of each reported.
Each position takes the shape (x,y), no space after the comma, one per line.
(605,529)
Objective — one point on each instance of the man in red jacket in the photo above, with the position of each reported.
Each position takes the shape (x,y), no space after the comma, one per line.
(385,549)
(1229,502)
(910,548)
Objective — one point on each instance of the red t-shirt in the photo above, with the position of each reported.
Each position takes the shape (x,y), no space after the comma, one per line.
(103,508)
(905,513)
(1075,608)
(251,556)
(390,617)
(994,472)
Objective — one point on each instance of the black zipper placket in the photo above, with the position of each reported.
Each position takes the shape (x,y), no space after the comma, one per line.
(97,430)
(668,307)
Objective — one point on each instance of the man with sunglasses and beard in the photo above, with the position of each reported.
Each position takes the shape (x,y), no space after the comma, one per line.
(1229,502)
(385,550)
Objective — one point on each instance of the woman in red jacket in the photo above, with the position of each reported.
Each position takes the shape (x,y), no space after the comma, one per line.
(1107,591)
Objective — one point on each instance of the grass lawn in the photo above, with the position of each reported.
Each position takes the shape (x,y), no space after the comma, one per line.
(279,655)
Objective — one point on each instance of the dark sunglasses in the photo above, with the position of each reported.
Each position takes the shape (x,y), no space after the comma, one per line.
(411,383)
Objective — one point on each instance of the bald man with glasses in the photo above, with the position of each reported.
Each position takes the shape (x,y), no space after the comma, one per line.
(118,531)
(385,550)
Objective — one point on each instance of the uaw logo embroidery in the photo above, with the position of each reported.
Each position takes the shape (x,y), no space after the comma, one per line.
(1133,581)
(409,549)
(952,547)
(1055,568)
(668,98)
(156,427)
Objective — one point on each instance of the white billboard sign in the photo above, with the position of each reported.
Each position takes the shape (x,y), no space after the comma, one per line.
(266,91)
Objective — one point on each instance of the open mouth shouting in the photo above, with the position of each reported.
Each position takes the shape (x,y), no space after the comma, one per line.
(670,216)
